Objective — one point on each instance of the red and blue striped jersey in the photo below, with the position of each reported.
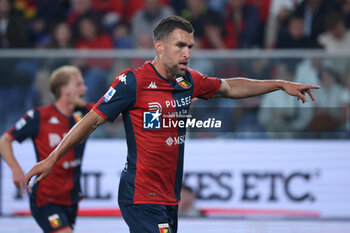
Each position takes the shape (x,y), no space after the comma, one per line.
(154,168)
(46,126)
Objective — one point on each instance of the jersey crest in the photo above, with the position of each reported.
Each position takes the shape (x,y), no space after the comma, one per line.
(183,83)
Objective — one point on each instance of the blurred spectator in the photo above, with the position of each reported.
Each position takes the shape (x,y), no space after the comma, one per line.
(146,19)
(79,8)
(92,35)
(218,6)
(48,11)
(314,13)
(263,8)
(245,120)
(331,93)
(279,13)
(123,10)
(96,70)
(201,64)
(122,37)
(242,24)
(111,11)
(307,71)
(47,14)
(213,34)
(27,7)
(52,11)
(346,11)
(142,42)
(259,68)
(281,115)
(187,207)
(197,12)
(337,37)
(120,11)
(38,34)
(178,5)
(16,80)
(105,6)
(13,30)
(42,94)
(294,37)
(332,100)
(346,81)
(61,37)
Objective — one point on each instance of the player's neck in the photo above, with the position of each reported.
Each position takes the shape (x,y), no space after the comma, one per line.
(64,107)
(158,65)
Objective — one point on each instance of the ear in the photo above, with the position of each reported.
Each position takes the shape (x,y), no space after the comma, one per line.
(159,46)
(63,90)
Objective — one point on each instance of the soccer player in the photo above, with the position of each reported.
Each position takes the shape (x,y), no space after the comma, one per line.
(54,201)
(149,191)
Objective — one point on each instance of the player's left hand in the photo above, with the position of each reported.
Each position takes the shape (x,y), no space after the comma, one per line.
(299,90)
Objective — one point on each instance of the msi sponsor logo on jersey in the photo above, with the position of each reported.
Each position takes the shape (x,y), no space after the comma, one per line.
(175,140)
(109,94)
(71,164)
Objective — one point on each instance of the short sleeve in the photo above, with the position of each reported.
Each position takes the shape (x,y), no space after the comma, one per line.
(26,127)
(203,86)
(120,96)
(89,106)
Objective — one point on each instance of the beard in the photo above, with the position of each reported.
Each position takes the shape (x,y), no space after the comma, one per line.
(175,71)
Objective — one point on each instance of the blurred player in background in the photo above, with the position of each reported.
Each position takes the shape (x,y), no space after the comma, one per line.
(187,207)
(53,202)
(149,191)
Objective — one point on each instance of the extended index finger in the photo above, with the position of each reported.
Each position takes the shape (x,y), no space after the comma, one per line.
(311,87)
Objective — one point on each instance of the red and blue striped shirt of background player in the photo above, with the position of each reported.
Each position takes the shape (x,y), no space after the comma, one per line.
(154,169)
(46,126)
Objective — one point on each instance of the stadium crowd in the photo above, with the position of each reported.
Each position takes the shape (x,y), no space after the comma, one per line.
(218,24)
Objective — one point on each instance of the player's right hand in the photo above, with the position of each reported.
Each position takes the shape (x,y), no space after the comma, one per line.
(42,169)
(19,178)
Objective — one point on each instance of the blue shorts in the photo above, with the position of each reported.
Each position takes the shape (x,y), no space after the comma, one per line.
(52,217)
(150,218)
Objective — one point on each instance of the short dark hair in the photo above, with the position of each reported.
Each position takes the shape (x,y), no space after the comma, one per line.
(169,24)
